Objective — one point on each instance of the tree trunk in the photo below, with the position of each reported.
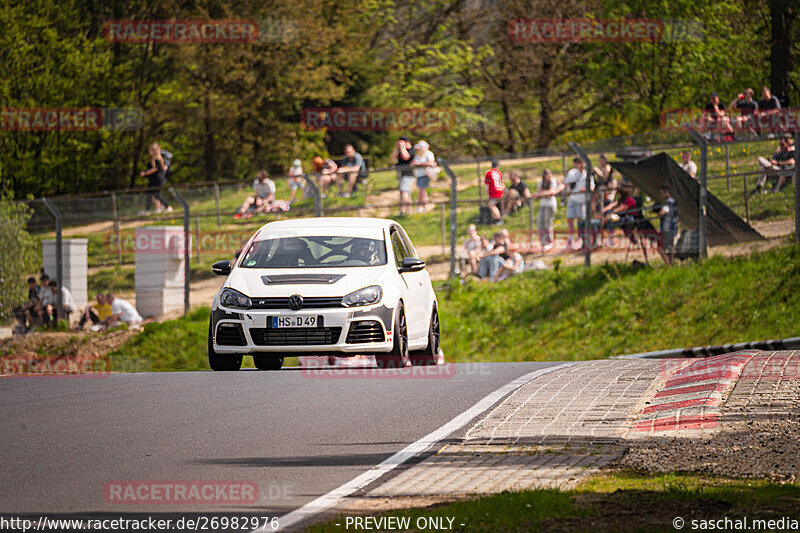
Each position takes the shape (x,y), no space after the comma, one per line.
(781,54)
(545,114)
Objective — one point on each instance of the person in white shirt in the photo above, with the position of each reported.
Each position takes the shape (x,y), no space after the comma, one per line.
(123,311)
(689,166)
(264,196)
(423,164)
(295,180)
(575,183)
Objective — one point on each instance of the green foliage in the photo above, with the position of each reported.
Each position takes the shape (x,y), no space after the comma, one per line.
(18,254)
(573,314)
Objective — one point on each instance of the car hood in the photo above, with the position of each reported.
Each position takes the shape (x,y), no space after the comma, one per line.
(265,282)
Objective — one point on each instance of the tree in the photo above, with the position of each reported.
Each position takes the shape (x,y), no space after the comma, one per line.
(18,256)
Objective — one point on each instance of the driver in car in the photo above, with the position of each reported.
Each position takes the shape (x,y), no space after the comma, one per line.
(364,250)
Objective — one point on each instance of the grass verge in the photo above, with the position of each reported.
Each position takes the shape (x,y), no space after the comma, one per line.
(575,314)
(615,501)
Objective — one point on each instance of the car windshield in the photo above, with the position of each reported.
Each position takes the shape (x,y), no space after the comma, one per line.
(315,252)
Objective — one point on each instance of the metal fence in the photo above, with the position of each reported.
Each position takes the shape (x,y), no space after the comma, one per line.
(134,246)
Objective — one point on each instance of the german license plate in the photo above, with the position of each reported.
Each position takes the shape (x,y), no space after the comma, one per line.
(295,322)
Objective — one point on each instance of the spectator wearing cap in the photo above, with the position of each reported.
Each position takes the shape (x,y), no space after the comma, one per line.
(295,179)
(688,166)
(423,163)
(575,183)
(495,190)
(326,169)
(402,155)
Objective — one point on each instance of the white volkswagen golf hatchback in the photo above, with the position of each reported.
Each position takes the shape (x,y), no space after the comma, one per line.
(325,286)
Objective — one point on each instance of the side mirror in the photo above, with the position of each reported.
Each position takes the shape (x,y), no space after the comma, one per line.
(221,268)
(412,264)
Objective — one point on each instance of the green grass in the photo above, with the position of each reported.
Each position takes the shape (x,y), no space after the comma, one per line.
(616,501)
(574,314)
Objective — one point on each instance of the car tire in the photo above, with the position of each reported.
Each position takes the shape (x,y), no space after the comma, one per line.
(430,355)
(268,362)
(222,362)
(399,356)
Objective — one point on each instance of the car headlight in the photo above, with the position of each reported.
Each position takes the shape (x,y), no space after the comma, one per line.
(365,296)
(233,298)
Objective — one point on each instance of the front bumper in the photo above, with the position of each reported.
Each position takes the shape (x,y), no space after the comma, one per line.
(238,331)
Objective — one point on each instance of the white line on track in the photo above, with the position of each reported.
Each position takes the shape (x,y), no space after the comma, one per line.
(335,496)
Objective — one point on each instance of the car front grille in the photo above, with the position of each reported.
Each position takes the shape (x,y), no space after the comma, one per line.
(365,331)
(295,336)
(230,335)
(310,302)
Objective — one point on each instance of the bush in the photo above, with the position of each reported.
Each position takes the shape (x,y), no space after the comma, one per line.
(18,257)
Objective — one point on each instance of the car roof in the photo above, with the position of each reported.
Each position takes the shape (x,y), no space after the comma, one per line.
(350,226)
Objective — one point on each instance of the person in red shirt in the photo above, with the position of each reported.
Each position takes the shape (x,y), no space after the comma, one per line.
(495,190)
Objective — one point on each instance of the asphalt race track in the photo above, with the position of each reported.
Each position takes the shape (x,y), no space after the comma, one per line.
(65,438)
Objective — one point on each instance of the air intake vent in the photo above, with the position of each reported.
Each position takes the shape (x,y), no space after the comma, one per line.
(295,336)
(230,335)
(365,331)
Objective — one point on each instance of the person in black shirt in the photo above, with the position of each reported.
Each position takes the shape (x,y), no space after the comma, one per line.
(769,104)
(515,194)
(156,177)
(715,119)
(403,154)
(782,160)
(22,312)
(747,107)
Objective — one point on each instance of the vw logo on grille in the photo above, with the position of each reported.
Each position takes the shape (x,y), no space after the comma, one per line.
(295,302)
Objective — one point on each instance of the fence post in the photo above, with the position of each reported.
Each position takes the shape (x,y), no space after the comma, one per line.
(197,238)
(453,217)
(727,169)
(59,259)
(530,221)
(216,200)
(444,230)
(317,195)
(564,163)
(480,183)
(587,219)
(702,249)
(116,228)
(187,235)
(746,204)
(797,192)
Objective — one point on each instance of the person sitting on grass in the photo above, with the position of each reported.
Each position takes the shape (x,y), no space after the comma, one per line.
(22,312)
(513,264)
(264,196)
(50,311)
(474,248)
(98,312)
(122,312)
(782,160)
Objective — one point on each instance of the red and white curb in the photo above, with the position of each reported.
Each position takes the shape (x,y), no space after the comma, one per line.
(692,394)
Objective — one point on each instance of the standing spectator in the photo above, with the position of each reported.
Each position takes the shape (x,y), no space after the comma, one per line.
(515,195)
(474,248)
(423,162)
(295,180)
(264,189)
(402,155)
(351,168)
(668,213)
(575,183)
(495,191)
(156,173)
(549,187)
(326,168)
(688,166)
(98,312)
(783,159)
(122,312)
(747,107)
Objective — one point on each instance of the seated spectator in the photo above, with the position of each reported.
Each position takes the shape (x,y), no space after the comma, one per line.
(23,312)
(782,160)
(513,264)
(122,312)
(515,194)
(614,213)
(494,259)
(716,121)
(495,190)
(423,163)
(50,311)
(262,199)
(326,169)
(295,179)
(747,108)
(351,168)
(769,103)
(474,248)
(688,166)
(98,312)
